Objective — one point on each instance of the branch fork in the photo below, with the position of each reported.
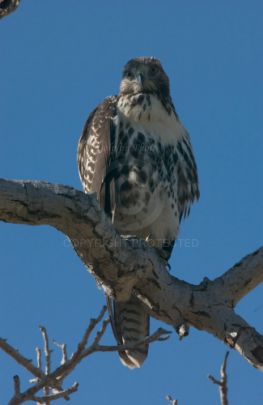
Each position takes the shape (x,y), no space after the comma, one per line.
(123,267)
(51,381)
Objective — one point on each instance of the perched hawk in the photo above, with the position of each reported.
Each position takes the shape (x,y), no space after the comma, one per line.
(136,155)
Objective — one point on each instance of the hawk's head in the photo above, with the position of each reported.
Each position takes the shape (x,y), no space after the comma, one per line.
(144,75)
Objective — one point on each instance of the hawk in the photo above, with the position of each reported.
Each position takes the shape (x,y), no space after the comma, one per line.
(135,154)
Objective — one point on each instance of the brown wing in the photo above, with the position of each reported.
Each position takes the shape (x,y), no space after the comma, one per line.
(188,189)
(96,153)
(98,171)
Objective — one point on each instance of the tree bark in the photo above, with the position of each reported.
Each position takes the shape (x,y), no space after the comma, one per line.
(125,266)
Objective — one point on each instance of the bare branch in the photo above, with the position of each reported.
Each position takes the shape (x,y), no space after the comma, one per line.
(171,400)
(129,262)
(47,350)
(92,325)
(39,358)
(223,382)
(243,277)
(50,379)
(158,336)
(26,363)
(16,385)
(53,380)
(64,353)
(17,394)
(62,394)
(20,359)
(39,364)
(47,353)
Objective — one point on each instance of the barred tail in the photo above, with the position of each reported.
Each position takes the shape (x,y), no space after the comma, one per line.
(131,324)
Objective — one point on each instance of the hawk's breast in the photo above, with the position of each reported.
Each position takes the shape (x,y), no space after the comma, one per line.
(146,188)
(136,155)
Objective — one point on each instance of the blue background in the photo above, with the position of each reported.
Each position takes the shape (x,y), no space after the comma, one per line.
(58,60)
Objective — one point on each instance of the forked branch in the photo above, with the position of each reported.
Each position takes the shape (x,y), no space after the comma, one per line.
(222,383)
(51,381)
(129,266)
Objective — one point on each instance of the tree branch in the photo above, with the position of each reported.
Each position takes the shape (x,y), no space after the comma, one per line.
(54,380)
(223,388)
(129,266)
(171,400)
(52,397)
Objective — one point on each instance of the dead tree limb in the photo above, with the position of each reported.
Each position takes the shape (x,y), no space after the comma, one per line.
(129,266)
(51,381)
(223,387)
(171,400)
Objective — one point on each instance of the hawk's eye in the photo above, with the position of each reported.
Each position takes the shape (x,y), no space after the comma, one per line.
(153,70)
(129,75)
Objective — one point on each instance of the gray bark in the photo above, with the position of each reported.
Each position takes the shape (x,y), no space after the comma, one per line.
(129,266)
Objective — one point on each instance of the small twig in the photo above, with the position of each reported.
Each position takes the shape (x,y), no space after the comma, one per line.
(20,359)
(39,364)
(64,353)
(54,379)
(62,394)
(170,399)
(16,399)
(158,336)
(84,340)
(101,332)
(78,355)
(16,385)
(223,388)
(47,350)
(39,358)
(47,353)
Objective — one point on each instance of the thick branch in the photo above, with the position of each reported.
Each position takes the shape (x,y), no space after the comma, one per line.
(128,266)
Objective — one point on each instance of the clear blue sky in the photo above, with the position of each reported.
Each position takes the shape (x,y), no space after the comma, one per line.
(58,60)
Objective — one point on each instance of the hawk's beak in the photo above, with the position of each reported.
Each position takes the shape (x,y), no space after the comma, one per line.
(140,79)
